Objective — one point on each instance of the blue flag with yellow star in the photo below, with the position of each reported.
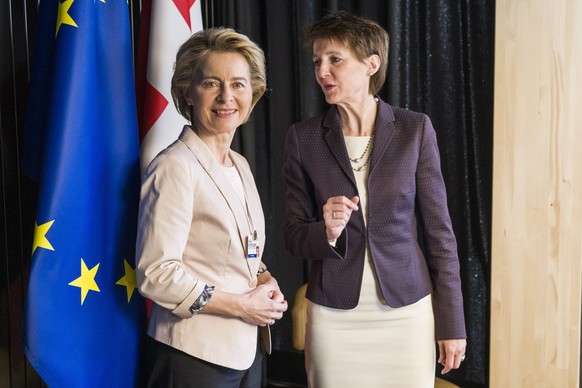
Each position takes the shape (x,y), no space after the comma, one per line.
(83,315)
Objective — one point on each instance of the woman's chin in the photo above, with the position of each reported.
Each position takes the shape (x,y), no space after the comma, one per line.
(331,99)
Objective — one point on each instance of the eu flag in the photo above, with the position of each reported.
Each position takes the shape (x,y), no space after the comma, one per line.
(83,315)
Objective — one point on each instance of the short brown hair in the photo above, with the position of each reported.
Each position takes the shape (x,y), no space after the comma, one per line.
(215,40)
(362,36)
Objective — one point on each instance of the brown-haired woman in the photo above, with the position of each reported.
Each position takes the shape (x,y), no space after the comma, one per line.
(362,179)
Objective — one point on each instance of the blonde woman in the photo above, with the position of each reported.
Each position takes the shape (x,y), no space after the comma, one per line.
(201,227)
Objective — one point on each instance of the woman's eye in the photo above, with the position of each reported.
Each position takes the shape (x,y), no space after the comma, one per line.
(209,84)
(335,60)
(239,85)
(316,63)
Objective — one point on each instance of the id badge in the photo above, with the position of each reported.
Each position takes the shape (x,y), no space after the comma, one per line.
(252,246)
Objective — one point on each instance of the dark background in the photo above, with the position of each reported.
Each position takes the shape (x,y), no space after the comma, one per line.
(440,63)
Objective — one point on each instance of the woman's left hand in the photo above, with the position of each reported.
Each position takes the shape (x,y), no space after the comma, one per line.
(451,353)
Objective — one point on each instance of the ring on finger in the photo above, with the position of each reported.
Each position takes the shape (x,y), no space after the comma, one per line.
(333,215)
(463,357)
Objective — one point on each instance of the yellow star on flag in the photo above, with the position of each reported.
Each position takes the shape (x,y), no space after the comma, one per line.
(63,16)
(86,282)
(40,240)
(129,280)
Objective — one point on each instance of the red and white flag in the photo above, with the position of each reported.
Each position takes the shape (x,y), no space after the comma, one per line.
(164,26)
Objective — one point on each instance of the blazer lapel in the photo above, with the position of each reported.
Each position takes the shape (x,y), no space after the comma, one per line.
(334,138)
(382,133)
(213,168)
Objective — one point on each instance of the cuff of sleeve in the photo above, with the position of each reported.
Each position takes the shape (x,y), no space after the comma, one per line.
(202,299)
(183,309)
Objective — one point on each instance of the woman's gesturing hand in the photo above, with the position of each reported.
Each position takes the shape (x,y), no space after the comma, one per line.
(336,214)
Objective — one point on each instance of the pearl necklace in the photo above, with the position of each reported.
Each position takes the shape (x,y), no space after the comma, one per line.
(358,160)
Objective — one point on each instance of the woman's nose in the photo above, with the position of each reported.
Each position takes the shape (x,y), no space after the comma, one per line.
(322,71)
(225,94)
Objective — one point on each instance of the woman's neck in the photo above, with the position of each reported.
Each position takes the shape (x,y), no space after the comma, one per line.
(359,119)
(218,144)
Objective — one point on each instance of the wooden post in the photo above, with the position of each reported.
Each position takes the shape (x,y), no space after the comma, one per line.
(537,195)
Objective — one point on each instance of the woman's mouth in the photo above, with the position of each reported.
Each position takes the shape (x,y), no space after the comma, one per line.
(224,113)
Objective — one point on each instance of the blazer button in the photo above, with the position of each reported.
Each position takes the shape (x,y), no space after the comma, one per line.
(252,283)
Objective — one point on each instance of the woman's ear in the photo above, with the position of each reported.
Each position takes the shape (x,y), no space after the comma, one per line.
(186,94)
(373,64)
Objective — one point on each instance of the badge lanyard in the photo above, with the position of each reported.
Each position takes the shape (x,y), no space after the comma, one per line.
(252,246)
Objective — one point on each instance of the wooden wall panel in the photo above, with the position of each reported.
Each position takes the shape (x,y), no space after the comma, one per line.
(537,195)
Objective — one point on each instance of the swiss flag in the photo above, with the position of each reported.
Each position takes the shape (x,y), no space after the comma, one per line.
(165,25)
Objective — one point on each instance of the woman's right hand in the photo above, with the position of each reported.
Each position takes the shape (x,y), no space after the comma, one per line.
(336,214)
(263,305)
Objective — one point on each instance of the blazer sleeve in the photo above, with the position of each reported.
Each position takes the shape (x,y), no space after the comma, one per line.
(165,212)
(304,229)
(440,244)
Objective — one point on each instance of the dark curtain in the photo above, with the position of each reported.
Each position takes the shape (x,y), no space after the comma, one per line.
(440,63)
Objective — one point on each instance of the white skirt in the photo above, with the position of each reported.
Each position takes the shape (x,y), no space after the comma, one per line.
(372,345)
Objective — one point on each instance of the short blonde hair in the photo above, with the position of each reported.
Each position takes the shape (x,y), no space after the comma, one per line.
(215,40)
(362,36)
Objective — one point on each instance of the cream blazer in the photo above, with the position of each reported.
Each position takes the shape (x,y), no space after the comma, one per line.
(192,231)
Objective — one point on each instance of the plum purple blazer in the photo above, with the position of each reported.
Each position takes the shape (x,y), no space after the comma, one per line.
(407,207)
